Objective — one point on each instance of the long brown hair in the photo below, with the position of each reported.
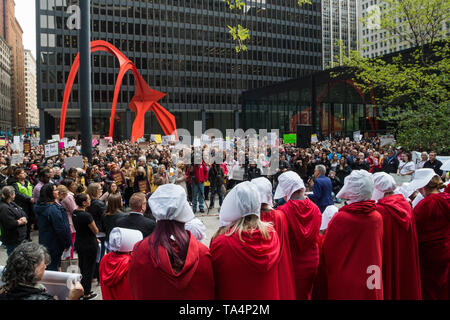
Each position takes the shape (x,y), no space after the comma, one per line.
(115,204)
(245,224)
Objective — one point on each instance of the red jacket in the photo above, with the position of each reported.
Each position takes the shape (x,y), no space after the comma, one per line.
(401,268)
(352,247)
(114,277)
(201,173)
(150,281)
(246,270)
(224,169)
(303,218)
(286,277)
(432,216)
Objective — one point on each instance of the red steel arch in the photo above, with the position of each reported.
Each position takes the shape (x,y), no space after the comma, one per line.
(145,98)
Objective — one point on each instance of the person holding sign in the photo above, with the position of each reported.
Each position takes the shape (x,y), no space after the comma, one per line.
(141,183)
(24,197)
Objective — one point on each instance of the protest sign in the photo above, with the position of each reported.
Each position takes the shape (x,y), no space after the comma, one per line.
(73,162)
(314,138)
(51,149)
(34,142)
(56,137)
(94,142)
(27,146)
(357,136)
(118,179)
(61,145)
(3,142)
(103,143)
(72,143)
(290,138)
(17,158)
(386,140)
(16,140)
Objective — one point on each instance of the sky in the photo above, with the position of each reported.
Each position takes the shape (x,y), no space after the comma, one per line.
(26,15)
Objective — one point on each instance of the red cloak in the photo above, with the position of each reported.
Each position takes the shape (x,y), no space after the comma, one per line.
(150,281)
(114,277)
(246,270)
(303,218)
(447,189)
(401,267)
(433,232)
(353,243)
(286,279)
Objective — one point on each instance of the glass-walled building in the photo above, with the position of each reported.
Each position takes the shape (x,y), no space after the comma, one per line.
(332,106)
(181,48)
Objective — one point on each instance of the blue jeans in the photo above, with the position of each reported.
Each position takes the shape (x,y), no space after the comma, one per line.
(199,192)
(214,190)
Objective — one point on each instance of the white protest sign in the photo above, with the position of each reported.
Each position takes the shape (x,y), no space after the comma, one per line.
(386,140)
(56,137)
(314,138)
(73,162)
(34,142)
(357,136)
(17,158)
(51,149)
(103,143)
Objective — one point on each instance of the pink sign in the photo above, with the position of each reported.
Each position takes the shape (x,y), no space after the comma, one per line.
(94,142)
(61,145)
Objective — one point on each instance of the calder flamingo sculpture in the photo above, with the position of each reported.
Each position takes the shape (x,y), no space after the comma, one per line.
(145,98)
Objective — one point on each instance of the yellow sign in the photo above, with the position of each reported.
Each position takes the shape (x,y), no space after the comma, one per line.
(158,139)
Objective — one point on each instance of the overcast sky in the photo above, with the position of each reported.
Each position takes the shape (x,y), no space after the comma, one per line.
(25,14)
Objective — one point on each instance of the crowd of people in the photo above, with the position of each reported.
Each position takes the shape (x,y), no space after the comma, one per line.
(129,214)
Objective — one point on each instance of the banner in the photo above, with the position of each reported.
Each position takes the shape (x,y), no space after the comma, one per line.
(73,162)
(290,138)
(56,137)
(34,142)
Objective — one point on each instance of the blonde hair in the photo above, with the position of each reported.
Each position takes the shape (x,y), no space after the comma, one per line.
(62,189)
(245,224)
(92,191)
(435,184)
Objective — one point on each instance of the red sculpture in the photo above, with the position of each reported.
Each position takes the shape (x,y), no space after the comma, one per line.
(145,98)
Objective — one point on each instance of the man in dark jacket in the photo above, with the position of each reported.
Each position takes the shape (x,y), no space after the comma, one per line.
(217,178)
(13,221)
(434,164)
(136,220)
(253,172)
(323,189)
(391,163)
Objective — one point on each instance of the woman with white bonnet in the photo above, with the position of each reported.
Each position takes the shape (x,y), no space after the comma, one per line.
(277,218)
(171,264)
(401,269)
(114,280)
(433,231)
(353,243)
(303,218)
(245,250)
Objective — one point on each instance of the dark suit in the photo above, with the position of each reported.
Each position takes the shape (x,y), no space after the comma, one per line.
(137,221)
(322,193)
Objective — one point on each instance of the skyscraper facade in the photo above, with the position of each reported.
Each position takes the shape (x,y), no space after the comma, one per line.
(31,109)
(339,30)
(6,120)
(181,48)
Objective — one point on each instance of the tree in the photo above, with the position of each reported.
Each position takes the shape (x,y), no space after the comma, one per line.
(413,88)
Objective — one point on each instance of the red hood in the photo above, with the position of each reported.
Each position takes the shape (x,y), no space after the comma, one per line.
(362,207)
(183,279)
(259,253)
(114,268)
(447,190)
(398,208)
(303,216)
(441,201)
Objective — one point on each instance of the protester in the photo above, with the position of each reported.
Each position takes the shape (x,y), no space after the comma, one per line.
(13,220)
(286,277)
(171,264)
(353,244)
(322,188)
(24,270)
(198,179)
(245,251)
(54,229)
(114,211)
(303,218)
(112,189)
(406,167)
(433,233)
(390,165)
(86,243)
(69,204)
(114,279)
(24,196)
(423,160)
(434,164)
(135,219)
(401,269)
(44,178)
(217,179)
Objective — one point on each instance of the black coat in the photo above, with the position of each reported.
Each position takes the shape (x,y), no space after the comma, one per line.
(22,200)
(390,166)
(12,233)
(253,173)
(97,209)
(109,223)
(22,292)
(136,221)
(216,176)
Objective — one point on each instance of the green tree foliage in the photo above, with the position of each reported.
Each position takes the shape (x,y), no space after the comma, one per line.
(412,89)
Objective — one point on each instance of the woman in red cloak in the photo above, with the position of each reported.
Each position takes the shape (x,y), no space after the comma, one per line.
(432,216)
(245,251)
(401,268)
(171,264)
(303,219)
(268,214)
(351,260)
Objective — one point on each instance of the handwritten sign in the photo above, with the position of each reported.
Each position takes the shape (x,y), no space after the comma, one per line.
(17,158)
(27,146)
(118,178)
(314,138)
